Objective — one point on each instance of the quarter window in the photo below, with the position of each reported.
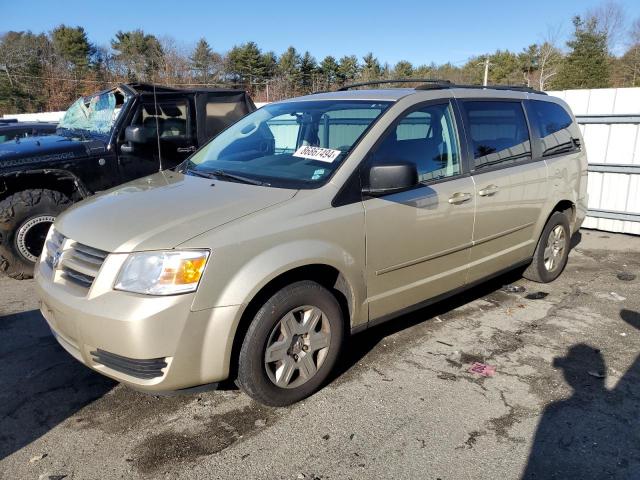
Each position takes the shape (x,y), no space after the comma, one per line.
(499,133)
(427,138)
(554,125)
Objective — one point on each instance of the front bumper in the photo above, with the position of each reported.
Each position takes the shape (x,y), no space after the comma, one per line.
(188,348)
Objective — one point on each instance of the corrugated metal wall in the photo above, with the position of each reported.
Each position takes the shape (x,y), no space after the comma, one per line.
(610,122)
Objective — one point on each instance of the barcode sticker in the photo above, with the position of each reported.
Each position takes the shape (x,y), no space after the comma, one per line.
(317,153)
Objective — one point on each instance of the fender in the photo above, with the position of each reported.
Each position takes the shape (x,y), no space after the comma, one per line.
(243,285)
(9,181)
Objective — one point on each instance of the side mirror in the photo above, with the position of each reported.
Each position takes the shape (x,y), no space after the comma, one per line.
(391,178)
(135,134)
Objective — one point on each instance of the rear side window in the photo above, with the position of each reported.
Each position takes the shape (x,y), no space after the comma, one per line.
(555,126)
(498,131)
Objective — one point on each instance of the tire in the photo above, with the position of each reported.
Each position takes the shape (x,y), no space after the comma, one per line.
(277,359)
(25,218)
(547,265)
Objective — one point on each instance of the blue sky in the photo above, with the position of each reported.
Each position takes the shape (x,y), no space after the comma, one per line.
(420,31)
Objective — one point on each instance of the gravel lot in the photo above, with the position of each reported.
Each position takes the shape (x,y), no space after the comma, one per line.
(563,402)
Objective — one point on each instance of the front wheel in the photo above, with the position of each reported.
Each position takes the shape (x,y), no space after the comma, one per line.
(25,218)
(291,345)
(552,250)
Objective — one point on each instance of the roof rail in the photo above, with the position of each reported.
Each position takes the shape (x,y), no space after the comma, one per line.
(518,88)
(430,81)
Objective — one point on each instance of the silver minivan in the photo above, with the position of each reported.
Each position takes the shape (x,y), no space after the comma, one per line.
(307,221)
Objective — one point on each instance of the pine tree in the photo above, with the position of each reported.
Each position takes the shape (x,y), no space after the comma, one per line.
(71,45)
(289,65)
(246,63)
(204,60)
(140,54)
(308,67)
(403,69)
(587,65)
(371,69)
(348,68)
(329,70)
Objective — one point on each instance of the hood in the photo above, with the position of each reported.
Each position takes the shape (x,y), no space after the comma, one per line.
(46,148)
(162,211)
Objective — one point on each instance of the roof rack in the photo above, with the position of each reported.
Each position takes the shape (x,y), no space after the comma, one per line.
(430,81)
(434,84)
(518,88)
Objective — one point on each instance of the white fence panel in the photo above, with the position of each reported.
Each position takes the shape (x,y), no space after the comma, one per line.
(610,122)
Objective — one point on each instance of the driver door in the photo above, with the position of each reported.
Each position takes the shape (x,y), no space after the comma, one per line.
(418,241)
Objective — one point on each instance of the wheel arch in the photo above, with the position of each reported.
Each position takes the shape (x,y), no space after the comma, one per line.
(59,180)
(325,274)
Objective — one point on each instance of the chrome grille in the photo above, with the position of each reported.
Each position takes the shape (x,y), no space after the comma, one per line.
(80,263)
(77,263)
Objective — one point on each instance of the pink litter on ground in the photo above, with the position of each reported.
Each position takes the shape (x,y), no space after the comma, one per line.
(483,369)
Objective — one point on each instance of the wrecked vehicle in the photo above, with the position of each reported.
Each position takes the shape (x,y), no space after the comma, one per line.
(102,141)
(308,220)
(12,129)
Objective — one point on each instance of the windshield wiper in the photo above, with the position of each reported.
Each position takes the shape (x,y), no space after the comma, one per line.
(230,176)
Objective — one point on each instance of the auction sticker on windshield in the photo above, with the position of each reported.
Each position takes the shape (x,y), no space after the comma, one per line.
(317,153)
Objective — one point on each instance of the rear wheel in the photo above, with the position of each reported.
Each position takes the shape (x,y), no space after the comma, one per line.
(552,250)
(25,218)
(291,345)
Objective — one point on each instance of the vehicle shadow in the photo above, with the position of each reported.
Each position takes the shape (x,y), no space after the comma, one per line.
(41,384)
(359,345)
(595,433)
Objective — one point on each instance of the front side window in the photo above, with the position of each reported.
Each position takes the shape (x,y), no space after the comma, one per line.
(554,125)
(425,137)
(291,144)
(498,131)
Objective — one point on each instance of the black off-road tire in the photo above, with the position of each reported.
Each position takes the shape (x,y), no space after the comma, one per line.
(537,271)
(16,212)
(253,378)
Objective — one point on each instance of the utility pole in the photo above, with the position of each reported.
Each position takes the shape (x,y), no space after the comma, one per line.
(486,71)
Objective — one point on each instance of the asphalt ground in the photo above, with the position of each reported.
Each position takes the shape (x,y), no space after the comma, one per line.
(563,401)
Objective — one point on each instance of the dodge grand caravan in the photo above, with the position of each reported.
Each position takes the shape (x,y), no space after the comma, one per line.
(307,221)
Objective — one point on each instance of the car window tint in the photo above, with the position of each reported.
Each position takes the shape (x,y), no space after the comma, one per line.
(426,137)
(554,125)
(498,131)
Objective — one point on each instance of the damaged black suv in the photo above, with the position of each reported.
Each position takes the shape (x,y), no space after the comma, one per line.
(104,139)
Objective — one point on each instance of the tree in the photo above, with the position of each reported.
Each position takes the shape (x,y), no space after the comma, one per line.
(329,70)
(347,68)
(246,64)
(138,54)
(403,69)
(204,61)
(72,46)
(23,58)
(289,65)
(609,18)
(587,64)
(308,68)
(371,69)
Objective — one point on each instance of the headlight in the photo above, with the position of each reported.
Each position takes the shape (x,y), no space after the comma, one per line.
(162,273)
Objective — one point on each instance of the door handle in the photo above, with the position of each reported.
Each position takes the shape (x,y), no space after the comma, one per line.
(186,149)
(488,190)
(460,197)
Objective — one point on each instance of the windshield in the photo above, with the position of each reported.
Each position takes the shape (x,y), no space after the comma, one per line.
(289,145)
(95,114)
